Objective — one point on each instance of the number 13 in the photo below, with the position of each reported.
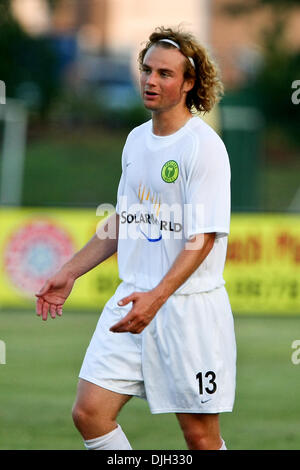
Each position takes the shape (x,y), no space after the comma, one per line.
(212,377)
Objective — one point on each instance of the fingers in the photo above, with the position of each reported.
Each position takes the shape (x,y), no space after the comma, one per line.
(52,311)
(129,324)
(126,300)
(43,308)
(123,325)
(39,306)
(120,327)
(59,310)
(128,327)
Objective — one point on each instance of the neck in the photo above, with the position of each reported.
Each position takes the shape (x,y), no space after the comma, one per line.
(166,122)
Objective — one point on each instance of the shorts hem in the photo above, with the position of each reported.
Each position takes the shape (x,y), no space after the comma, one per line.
(108,387)
(199,411)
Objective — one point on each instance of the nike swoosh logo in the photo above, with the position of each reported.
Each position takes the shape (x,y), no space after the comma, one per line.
(127,164)
(151,239)
(205,401)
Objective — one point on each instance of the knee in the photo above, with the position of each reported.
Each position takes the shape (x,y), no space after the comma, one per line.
(90,419)
(78,415)
(82,415)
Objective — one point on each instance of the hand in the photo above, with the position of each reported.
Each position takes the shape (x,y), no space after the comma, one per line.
(53,295)
(144,308)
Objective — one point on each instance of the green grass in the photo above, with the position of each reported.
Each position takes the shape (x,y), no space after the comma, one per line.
(74,168)
(279,183)
(83,168)
(38,386)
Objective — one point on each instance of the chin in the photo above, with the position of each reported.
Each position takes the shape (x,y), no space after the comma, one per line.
(150,106)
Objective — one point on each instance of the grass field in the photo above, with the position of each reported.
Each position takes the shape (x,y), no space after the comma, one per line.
(38,385)
(68,168)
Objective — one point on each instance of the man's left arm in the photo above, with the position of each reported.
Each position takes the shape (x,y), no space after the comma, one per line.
(145,305)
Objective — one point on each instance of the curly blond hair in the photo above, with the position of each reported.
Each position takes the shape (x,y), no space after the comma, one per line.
(208,88)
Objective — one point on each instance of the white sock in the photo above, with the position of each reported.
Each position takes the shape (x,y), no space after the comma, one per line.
(223,447)
(114,440)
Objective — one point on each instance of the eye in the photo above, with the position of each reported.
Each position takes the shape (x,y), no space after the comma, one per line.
(165,73)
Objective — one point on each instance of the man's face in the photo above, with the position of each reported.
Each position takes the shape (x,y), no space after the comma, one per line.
(162,82)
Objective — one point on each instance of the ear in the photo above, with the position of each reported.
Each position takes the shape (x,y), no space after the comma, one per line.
(188,84)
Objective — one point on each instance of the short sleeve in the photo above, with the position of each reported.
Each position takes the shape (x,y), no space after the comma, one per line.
(121,186)
(207,194)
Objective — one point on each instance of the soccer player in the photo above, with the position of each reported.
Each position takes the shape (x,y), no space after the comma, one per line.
(167,334)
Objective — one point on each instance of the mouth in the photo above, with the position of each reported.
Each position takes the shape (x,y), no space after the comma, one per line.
(150,94)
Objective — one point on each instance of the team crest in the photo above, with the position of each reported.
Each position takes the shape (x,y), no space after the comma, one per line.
(170,171)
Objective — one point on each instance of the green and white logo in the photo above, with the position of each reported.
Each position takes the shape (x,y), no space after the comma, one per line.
(170,171)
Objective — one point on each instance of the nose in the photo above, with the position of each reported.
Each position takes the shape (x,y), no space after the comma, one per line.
(151,79)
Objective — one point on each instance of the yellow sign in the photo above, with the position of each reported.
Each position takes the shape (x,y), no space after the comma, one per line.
(35,243)
(262,270)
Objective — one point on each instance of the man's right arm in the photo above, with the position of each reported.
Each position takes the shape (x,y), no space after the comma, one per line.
(57,289)
(96,251)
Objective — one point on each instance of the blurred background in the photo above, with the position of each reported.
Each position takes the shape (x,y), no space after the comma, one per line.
(68,98)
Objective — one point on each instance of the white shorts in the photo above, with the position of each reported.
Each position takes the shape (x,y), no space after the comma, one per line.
(183,362)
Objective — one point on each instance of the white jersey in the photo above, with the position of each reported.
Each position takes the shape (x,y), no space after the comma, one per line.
(171,188)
